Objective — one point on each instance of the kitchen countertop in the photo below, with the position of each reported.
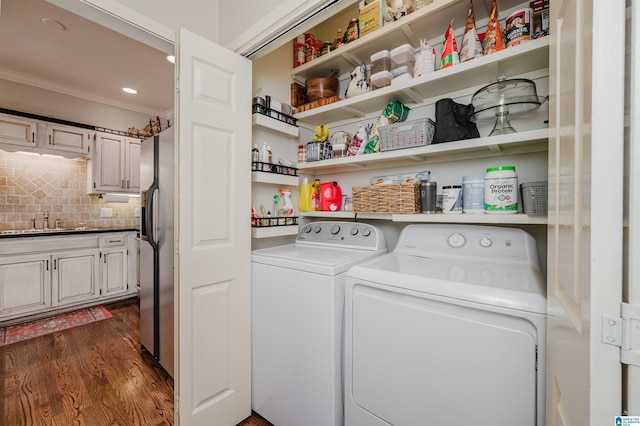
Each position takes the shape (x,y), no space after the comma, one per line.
(63,231)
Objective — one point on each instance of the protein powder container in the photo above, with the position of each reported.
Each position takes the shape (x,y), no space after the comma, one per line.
(452,199)
(501,190)
(473,194)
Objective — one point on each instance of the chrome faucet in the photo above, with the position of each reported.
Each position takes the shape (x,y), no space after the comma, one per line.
(58,222)
(46,219)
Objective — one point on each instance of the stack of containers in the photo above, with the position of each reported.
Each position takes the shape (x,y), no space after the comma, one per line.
(402,63)
(381,69)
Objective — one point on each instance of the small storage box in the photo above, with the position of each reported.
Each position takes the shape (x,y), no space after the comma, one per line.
(380,61)
(371,16)
(404,69)
(407,134)
(535,198)
(402,55)
(381,79)
(391,198)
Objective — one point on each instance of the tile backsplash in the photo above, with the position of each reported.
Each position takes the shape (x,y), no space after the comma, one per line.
(32,183)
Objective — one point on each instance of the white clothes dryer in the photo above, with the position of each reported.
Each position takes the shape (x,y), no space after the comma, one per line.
(449,328)
(297,321)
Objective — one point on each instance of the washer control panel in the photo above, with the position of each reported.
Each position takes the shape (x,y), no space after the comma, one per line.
(468,241)
(342,234)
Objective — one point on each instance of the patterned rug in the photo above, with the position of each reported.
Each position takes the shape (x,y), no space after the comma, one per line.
(43,326)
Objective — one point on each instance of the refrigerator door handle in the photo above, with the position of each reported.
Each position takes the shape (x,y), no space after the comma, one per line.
(149,215)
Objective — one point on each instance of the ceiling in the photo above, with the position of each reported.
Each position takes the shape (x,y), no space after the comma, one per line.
(84,59)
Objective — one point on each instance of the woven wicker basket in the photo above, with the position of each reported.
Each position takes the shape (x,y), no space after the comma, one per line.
(393,198)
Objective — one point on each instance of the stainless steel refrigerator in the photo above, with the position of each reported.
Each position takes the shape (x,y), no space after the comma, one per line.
(157,247)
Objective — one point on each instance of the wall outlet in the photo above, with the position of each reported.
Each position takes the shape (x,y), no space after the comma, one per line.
(106,212)
(137,212)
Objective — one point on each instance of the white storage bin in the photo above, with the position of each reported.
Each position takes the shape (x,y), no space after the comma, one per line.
(403,55)
(381,79)
(380,61)
(401,78)
(404,69)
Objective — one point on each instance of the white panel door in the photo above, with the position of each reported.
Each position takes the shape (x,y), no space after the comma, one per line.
(585,231)
(213,381)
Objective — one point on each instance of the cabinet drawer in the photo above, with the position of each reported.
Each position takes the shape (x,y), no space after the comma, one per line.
(113,241)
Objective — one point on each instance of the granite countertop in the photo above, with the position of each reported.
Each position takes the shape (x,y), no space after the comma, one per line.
(62,231)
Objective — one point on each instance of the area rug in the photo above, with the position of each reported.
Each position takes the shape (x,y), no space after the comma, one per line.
(43,326)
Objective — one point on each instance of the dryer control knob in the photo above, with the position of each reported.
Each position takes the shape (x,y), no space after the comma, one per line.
(354,231)
(366,232)
(317,229)
(306,229)
(456,240)
(485,242)
(335,229)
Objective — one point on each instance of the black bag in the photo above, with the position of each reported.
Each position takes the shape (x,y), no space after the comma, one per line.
(452,122)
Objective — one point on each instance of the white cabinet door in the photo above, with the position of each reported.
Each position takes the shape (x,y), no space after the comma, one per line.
(75,277)
(18,132)
(114,272)
(61,138)
(132,166)
(108,165)
(24,284)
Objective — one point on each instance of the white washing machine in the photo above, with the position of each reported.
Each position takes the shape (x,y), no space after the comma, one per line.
(449,328)
(297,321)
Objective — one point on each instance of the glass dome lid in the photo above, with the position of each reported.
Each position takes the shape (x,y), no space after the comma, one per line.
(504,99)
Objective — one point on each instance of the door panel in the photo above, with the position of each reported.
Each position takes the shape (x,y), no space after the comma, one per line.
(213,287)
(584,243)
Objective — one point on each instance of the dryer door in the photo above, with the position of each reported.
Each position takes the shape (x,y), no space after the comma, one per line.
(414,358)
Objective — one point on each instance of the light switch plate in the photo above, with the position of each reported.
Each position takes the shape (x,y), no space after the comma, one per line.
(137,212)
(106,212)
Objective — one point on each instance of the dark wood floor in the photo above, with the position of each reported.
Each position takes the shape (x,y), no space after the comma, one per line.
(92,375)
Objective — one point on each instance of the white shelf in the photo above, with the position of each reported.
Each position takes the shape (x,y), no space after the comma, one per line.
(274,178)
(429,22)
(507,219)
(271,124)
(514,61)
(493,146)
(274,231)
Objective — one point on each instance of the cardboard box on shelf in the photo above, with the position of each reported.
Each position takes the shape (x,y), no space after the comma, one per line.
(371,16)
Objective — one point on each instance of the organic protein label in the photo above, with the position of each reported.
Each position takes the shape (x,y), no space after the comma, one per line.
(501,190)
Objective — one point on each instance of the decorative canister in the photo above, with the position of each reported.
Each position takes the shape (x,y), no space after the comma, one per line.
(452,199)
(473,194)
(501,190)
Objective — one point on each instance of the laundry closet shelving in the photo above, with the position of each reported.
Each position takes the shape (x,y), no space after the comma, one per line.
(277,180)
(527,60)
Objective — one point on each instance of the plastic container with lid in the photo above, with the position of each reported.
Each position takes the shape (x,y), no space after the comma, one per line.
(403,55)
(381,79)
(452,199)
(473,194)
(501,190)
(404,69)
(380,61)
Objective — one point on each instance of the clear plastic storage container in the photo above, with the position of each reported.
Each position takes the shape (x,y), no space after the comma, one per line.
(402,55)
(381,79)
(380,61)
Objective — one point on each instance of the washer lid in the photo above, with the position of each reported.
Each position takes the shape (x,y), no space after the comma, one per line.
(315,259)
(514,285)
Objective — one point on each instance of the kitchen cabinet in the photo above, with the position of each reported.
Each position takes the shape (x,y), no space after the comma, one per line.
(17,133)
(25,285)
(114,269)
(75,277)
(67,139)
(42,273)
(116,166)
(264,183)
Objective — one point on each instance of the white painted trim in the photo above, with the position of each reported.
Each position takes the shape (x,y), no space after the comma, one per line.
(47,85)
(285,18)
(114,15)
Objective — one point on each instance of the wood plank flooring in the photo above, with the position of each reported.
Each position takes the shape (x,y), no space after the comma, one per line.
(91,375)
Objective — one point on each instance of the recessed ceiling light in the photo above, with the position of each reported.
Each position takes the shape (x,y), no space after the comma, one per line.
(54,24)
(171,59)
(130,90)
